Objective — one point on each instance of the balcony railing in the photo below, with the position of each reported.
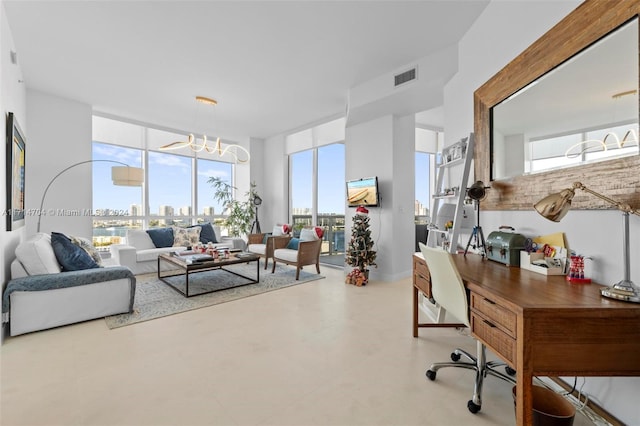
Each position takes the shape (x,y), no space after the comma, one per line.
(333,240)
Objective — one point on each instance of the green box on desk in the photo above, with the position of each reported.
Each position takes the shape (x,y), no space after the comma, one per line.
(505,247)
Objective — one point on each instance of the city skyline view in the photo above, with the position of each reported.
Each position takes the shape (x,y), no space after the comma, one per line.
(170,174)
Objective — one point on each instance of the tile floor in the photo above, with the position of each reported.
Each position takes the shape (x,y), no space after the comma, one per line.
(320,353)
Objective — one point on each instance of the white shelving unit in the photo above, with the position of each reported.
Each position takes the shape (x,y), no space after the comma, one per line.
(460,153)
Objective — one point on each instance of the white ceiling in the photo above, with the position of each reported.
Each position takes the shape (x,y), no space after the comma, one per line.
(273,66)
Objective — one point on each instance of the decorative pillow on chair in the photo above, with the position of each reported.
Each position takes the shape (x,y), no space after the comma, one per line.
(87,246)
(311,233)
(281,229)
(70,256)
(161,237)
(207,234)
(294,243)
(186,237)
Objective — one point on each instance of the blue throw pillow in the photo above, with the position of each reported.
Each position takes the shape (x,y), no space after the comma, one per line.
(294,243)
(265,238)
(207,234)
(161,237)
(70,256)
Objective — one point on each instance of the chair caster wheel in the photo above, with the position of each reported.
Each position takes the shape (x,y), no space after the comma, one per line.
(510,371)
(455,357)
(473,407)
(431,375)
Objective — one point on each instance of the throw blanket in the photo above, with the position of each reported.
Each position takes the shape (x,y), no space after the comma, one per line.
(64,280)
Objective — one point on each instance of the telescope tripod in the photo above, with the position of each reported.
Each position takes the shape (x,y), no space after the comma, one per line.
(256,224)
(477,236)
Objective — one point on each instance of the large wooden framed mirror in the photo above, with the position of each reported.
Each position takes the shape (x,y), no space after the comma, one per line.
(591,22)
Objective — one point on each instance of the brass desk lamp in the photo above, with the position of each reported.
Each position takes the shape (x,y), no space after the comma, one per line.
(555,206)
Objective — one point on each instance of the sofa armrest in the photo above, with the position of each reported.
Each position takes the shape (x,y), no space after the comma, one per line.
(124,255)
(64,280)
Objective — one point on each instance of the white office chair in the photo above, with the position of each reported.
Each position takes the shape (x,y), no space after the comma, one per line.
(449,292)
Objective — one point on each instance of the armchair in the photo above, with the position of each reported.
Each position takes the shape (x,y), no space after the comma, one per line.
(263,245)
(306,253)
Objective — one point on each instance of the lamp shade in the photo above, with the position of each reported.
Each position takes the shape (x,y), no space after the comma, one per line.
(555,206)
(127,176)
(477,191)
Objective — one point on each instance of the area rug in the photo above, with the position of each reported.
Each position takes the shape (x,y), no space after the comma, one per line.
(155,299)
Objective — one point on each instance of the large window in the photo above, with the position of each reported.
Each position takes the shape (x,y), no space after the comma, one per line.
(116,208)
(331,195)
(207,206)
(317,197)
(169,185)
(176,189)
(423,187)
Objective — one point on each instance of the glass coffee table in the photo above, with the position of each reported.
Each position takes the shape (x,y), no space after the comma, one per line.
(172,265)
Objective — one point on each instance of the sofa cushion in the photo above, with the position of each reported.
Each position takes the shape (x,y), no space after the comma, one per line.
(152,254)
(87,246)
(139,239)
(187,237)
(286,254)
(70,256)
(207,233)
(36,255)
(161,237)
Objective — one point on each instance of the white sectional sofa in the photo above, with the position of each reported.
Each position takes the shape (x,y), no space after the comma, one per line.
(140,254)
(40,295)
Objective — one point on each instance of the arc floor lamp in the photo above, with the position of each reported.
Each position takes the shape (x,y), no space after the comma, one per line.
(124,175)
(555,206)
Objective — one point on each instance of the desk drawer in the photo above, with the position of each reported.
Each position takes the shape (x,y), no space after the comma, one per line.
(495,313)
(421,277)
(495,339)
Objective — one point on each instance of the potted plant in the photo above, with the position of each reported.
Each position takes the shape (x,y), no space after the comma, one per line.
(240,213)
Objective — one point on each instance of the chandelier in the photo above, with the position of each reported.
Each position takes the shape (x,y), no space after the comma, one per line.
(239,153)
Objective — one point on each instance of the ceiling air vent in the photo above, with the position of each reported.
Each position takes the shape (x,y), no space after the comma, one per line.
(404,77)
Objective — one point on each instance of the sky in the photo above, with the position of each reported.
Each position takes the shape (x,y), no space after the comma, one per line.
(169,180)
(170,174)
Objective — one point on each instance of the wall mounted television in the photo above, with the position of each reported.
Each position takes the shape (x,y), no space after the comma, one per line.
(363,192)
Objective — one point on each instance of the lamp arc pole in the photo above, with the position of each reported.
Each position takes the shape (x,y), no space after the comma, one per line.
(62,172)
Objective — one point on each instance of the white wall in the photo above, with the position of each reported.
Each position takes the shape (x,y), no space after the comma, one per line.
(385,147)
(59,136)
(497,37)
(12,99)
(274,187)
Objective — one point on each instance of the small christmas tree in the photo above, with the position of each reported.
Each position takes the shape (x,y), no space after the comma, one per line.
(359,252)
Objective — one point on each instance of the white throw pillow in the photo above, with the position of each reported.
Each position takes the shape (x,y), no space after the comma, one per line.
(36,255)
(139,239)
(281,229)
(308,234)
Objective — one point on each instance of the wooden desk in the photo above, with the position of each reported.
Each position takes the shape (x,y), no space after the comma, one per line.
(542,325)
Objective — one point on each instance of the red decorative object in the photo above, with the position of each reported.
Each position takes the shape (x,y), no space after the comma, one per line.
(362,209)
(286,228)
(357,278)
(319,232)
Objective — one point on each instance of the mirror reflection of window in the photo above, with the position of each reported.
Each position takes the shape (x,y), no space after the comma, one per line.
(584,110)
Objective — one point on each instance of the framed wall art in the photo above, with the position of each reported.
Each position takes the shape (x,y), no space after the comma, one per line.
(15,174)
